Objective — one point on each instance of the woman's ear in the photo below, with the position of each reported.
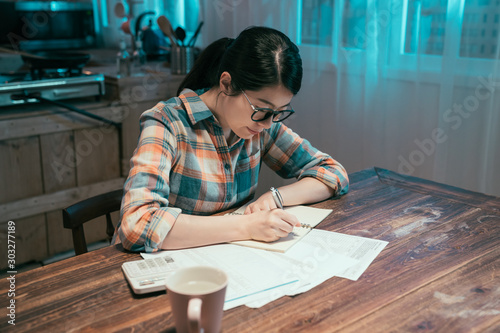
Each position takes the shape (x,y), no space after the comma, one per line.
(225,83)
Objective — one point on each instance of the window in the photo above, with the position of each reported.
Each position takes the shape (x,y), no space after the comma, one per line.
(317,22)
(354,24)
(464,30)
(484,46)
(426,27)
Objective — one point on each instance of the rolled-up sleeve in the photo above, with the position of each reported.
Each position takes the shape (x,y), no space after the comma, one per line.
(291,156)
(146,217)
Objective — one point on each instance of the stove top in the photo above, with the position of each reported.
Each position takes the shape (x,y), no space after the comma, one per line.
(40,74)
(52,84)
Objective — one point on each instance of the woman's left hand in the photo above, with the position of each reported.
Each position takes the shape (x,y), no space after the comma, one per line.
(264,202)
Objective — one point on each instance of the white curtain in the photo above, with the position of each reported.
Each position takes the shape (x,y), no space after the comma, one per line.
(433,112)
(396,87)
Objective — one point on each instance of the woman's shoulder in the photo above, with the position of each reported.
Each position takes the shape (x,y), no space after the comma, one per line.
(167,111)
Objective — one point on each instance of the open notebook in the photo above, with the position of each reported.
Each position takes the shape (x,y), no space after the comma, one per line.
(308,216)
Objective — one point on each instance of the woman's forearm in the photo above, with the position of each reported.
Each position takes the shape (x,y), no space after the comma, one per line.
(305,191)
(193,230)
(266,225)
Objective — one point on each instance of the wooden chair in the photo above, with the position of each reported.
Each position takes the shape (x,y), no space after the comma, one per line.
(76,215)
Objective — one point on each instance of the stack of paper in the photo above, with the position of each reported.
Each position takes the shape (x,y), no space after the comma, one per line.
(257,277)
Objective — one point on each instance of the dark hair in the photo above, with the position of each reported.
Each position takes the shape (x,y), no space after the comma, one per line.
(259,57)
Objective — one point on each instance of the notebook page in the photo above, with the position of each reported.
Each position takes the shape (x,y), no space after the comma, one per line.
(306,215)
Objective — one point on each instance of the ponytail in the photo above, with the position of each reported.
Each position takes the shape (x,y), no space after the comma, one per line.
(204,73)
(259,57)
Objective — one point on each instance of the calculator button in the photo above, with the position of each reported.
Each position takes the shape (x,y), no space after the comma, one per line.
(168,260)
(160,262)
(151,264)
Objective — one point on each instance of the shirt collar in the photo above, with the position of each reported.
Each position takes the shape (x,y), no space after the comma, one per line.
(196,109)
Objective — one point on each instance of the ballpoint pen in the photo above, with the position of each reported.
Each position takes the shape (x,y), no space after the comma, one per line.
(278,200)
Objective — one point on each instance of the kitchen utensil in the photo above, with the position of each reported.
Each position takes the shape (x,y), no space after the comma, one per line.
(192,41)
(139,21)
(125,27)
(166,28)
(121,10)
(180,33)
(150,40)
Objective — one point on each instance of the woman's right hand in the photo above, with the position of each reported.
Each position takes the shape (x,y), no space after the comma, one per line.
(270,225)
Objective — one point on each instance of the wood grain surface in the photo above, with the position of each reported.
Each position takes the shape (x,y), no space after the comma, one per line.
(439,273)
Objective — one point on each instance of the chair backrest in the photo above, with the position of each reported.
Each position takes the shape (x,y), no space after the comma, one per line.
(77,214)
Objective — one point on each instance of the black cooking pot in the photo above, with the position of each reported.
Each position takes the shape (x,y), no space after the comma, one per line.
(49,60)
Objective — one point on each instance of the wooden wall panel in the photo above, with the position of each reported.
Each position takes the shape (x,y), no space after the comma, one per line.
(20,170)
(39,120)
(96,155)
(55,201)
(58,162)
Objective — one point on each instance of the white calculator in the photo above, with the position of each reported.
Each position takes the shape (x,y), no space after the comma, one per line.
(148,275)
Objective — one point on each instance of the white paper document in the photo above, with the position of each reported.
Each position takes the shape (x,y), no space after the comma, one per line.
(362,249)
(257,277)
(249,273)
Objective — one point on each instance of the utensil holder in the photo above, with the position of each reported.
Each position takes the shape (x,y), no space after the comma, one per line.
(181,59)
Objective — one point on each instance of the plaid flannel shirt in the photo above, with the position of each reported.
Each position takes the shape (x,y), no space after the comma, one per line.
(183,164)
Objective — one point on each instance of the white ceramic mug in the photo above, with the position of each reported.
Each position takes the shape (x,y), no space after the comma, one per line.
(197,298)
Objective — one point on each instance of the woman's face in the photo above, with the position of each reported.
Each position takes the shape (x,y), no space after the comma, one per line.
(238,112)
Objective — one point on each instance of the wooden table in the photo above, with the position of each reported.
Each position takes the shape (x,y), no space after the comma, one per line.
(440,272)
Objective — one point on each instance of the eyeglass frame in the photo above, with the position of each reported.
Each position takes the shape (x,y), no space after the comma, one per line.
(269,112)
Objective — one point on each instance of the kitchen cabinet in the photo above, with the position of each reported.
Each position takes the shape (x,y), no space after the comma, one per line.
(136,94)
(51,158)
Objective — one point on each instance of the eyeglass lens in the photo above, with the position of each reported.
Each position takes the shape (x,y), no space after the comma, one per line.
(263,114)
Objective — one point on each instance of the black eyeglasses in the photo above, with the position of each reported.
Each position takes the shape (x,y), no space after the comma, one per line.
(261,114)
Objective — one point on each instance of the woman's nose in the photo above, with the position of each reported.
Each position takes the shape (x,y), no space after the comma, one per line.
(266,123)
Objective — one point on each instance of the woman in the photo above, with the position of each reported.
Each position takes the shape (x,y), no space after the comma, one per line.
(200,153)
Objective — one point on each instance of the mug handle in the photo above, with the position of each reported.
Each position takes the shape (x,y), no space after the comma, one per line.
(194,315)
